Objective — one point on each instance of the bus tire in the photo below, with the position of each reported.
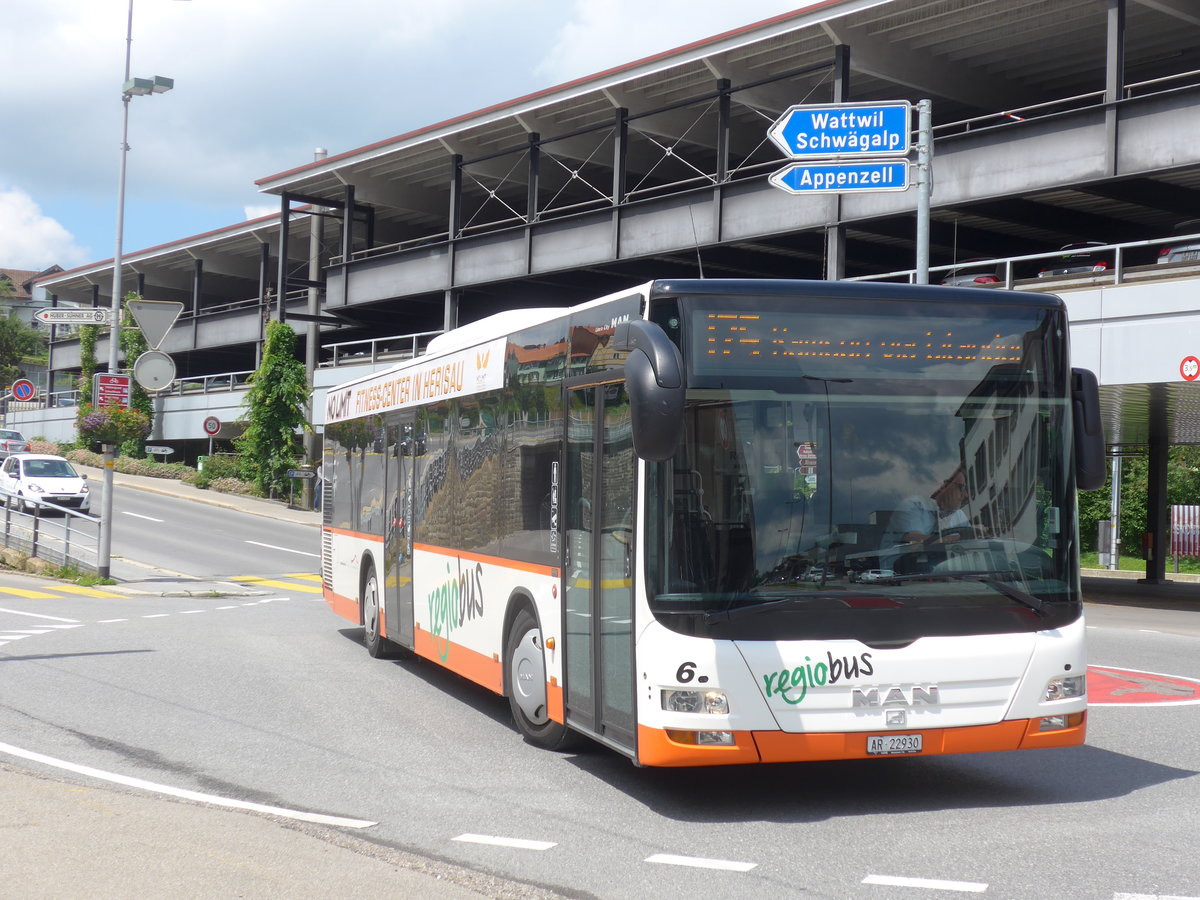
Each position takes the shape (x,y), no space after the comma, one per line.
(377,645)
(525,674)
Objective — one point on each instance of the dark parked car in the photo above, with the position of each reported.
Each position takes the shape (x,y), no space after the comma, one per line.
(1079,259)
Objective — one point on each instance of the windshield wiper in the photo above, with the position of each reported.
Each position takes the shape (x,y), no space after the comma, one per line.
(711,618)
(982,577)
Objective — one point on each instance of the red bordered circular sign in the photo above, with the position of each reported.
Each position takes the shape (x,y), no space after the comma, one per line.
(23,389)
(1109,686)
(1190,368)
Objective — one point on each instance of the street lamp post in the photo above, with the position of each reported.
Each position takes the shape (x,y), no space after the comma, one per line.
(132,87)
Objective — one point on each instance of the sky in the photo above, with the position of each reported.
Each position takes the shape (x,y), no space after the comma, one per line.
(259,85)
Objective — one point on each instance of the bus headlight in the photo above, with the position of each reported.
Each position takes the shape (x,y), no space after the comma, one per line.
(711,701)
(1065,687)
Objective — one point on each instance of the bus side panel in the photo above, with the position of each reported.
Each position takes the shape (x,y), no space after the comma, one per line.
(459,605)
(345,551)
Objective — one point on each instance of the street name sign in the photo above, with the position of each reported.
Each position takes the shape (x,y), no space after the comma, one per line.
(110,389)
(844,130)
(842,178)
(56,315)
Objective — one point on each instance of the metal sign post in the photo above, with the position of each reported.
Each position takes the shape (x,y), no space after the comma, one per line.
(847,148)
(924,185)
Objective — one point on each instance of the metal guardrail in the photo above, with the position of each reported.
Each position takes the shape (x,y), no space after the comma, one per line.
(74,542)
(1118,273)
(395,347)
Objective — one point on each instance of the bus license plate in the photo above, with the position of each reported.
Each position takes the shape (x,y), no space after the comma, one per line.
(887,744)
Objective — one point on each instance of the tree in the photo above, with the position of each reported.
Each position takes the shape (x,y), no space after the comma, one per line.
(275,407)
(17,341)
(88,336)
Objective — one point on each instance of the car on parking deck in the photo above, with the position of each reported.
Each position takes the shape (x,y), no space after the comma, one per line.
(1078,259)
(12,442)
(973,273)
(29,477)
(1185,250)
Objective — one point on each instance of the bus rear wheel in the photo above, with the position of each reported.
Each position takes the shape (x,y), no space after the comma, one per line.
(525,663)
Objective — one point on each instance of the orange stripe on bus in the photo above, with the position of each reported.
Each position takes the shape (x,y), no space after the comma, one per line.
(346,532)
(554,701)
(536,569)
(656,748)
(471,664)
(345,607)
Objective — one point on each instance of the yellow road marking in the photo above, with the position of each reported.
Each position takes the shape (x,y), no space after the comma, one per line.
(86,591)
(282,585)
(29,595)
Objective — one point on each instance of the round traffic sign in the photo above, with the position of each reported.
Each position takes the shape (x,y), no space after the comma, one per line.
(154,370)
(212,425)
(1190,368)
(1109,686)
(23,389)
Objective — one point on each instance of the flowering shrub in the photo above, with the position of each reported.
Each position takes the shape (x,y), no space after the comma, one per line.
(111,424)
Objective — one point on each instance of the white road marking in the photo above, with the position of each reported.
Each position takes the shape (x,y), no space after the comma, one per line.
(192,612)
(699,862)
(17,612)
(156,616)
(226,607)
(110,621)
(284,549)
(26,631)
(187,795)
(140,516)
(516,843)
(1151,897)
(966,887)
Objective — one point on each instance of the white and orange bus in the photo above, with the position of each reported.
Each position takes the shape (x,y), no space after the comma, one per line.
(709,522)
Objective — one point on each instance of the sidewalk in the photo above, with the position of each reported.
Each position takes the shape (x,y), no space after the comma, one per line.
(85,838)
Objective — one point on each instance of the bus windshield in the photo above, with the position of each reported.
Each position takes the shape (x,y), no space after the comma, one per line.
(865,470)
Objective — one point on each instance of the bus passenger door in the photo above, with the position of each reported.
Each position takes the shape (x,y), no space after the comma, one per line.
(598,575)
(397,579)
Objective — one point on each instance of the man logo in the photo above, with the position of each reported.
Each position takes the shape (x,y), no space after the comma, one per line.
(896,696)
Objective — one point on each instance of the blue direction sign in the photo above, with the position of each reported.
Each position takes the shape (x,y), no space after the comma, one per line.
(841,178)
(844,130)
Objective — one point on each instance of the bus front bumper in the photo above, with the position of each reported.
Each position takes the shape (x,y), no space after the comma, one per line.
(657,747)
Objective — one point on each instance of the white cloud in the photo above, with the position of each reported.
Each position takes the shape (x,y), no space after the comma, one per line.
(257,212)
(602,34)
(29,239)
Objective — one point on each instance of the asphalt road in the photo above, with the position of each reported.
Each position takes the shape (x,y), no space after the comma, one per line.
(270,699)
(155,534)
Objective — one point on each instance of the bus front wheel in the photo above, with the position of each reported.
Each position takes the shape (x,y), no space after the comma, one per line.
(377,645)
(526,671)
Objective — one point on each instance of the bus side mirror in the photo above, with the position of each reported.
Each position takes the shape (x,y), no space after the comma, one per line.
(1090,468)
(654,382)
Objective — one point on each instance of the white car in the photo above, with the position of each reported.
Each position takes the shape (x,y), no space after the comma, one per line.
(26,477)
(1185,250)
(872,576)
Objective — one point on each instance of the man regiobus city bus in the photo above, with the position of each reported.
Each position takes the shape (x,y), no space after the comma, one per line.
(709,522)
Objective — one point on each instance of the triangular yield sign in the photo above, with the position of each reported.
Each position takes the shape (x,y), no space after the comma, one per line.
(155,318)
